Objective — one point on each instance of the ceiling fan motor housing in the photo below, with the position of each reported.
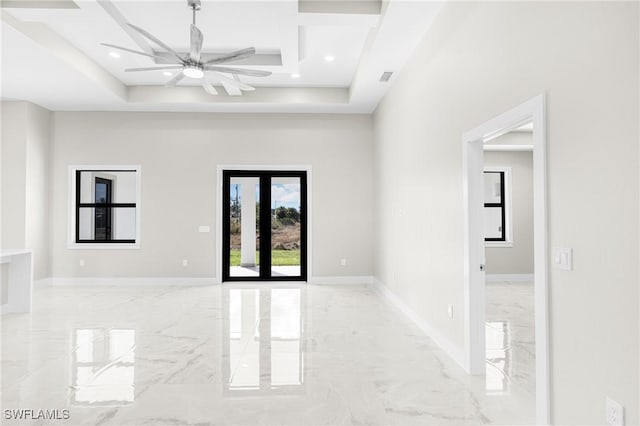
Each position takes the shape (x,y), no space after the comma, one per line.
(194,4)
(193,69)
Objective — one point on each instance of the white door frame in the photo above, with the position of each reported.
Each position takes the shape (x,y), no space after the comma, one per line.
(474,278)
(223,167)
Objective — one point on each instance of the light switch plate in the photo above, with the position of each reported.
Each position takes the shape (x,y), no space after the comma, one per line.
(562,258)
(204,228)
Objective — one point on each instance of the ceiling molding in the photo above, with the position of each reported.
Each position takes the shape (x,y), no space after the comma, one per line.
(119,19)
(265,95)
(359,7)
(259,59)
(63,50)
(55,57)
(38,4)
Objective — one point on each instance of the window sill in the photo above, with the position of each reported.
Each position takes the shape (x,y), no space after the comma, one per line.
(107,246)
(498,244)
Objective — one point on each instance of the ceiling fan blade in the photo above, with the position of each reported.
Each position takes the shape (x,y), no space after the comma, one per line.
(231,89)
(236,83)
(238,54)
(196,43)
(171,67)
(174,80)
(132,51)
(242,85)
(156,41)
(252,73)
(209,88)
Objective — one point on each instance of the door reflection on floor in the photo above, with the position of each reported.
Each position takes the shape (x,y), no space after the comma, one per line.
(104,364)
(262,341)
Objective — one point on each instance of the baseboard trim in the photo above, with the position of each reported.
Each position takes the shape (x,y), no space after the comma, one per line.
(456,353)
(124,281)
(494,278)
(43,282)
(342,280)
(129,281)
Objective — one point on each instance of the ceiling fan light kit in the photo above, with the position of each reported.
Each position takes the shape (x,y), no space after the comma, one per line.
(192,65)
(193,71)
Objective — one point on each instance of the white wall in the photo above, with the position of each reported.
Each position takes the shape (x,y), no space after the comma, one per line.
(179,155)
(25,181)
(477,61)
(518,258)
(13,157)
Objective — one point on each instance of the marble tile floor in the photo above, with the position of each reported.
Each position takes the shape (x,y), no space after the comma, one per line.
(265,354)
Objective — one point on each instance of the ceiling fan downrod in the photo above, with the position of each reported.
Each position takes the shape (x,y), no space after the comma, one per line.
(195,6)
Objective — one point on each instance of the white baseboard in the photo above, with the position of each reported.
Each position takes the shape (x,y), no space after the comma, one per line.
(343,280)
(131,281)
(43,282)
(495,278)
(456,353)
(125,281)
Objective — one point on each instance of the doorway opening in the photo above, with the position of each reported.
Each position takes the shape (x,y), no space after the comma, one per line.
(474,143)
(103,190)
(264,229)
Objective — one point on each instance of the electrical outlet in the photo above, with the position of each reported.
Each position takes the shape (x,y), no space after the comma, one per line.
(81,262)
(450,310)
(343,262)
(185,262)
(615,413)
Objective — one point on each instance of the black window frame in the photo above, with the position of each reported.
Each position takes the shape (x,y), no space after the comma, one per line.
(109,205)
(501,205)
(265,225)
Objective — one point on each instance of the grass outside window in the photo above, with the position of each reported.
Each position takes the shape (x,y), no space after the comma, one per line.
(278,257)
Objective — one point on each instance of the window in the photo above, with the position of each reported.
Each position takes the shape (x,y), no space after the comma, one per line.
(105,212)
(497,206)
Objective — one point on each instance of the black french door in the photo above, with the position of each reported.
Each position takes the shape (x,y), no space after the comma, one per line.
(264,225)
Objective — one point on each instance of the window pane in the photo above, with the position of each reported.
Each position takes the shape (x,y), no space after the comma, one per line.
(492,188)
(107,223)
(493,222)
(285,226)
(108,186)
(244,202)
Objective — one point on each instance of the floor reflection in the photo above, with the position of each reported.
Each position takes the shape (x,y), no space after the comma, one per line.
(498,365)
(510,341)
(262,342)
(103,367)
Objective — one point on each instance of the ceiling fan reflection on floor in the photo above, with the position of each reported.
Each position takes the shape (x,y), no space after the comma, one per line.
(192,66)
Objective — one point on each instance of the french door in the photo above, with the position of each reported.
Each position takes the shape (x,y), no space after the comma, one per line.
(264,225)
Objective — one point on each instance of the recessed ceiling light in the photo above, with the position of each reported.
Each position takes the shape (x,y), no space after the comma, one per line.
(329,58)
(295,75)
(114,54)
(167,73)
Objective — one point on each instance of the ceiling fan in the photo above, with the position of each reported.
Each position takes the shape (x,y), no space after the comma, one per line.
(193,66)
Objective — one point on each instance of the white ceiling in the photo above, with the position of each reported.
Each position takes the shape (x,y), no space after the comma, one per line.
(51,52)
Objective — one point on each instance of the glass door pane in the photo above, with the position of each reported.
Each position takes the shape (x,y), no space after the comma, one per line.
(286,218)
(244,228)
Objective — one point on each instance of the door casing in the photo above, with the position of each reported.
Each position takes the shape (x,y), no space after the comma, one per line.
(282,170)
(533,111)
